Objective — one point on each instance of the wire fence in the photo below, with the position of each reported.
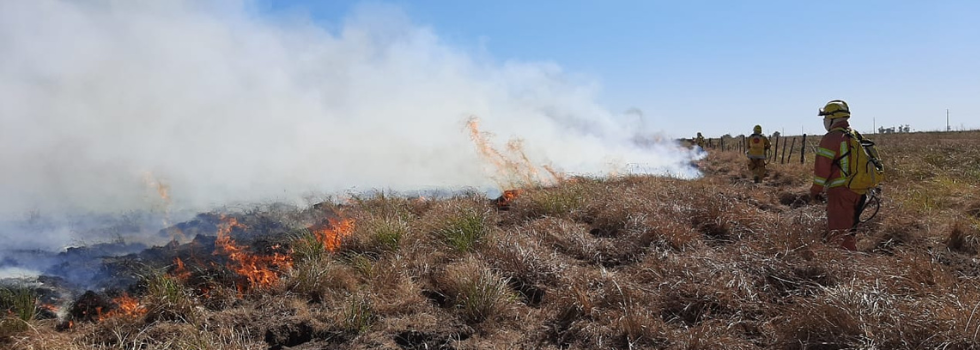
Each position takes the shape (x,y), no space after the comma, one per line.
(783,151)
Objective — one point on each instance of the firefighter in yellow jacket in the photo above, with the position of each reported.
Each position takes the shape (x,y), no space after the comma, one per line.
(757,149)
(699,140)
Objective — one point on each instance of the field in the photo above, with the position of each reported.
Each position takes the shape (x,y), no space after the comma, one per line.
(618,263)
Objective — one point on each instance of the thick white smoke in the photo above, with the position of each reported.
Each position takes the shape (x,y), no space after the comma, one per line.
(101,100)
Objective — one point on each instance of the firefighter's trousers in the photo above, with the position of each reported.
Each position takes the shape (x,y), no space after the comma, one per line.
(843,207)
(757,167)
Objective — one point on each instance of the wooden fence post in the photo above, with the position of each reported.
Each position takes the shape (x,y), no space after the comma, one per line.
(775,150)
(803,150)
(791,146)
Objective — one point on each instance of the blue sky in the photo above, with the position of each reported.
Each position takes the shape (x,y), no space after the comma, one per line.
(723,66)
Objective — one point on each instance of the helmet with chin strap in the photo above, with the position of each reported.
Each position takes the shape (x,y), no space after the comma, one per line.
(833,110)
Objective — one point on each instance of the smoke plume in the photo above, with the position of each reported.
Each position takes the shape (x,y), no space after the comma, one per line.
(108,106)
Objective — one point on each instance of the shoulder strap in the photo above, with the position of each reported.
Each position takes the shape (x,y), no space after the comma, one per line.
(847,133)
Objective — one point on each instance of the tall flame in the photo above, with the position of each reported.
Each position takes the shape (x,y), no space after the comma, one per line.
(163,191)
(513,168)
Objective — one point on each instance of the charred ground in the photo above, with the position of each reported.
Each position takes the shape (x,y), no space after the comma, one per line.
(633,261)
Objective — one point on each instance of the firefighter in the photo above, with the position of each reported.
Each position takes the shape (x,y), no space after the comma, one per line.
(699,140)
(757,149)
(842,203)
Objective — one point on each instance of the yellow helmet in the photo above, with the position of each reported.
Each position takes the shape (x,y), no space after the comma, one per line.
(835,109)
(757,129)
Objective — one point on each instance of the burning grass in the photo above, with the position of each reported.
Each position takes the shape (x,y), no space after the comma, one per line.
(627,262)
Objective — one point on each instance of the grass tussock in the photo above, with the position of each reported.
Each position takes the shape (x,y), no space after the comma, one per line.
(358,314)
(19,308)
(376,235)
(167,299)
(478,293)
(462,226)
(315,278)
(564,201)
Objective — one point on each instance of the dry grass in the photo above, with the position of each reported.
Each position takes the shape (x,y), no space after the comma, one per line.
(627,262)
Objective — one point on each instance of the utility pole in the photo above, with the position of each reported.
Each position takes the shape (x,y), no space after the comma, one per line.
(947,119)
(874,126)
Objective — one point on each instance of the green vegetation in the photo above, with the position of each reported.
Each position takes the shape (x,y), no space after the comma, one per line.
(19,308)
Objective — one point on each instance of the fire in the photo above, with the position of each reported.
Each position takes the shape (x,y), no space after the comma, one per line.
(181,272)
(163,191)
(332,234)
(503,202)
(50,308)
(259,270)
(127,307)
(514,168)
(557,175)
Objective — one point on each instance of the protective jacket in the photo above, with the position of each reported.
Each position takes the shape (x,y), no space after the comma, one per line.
(757,146)
(827,173)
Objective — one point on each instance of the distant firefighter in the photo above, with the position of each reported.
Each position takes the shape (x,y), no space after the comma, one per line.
(757,146)
(699,140)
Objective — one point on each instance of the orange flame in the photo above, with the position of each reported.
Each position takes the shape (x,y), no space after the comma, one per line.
(259,270)
(181,273)
(332,234)
(514,169)
(503,202)
(49,307)
(127,307)
(163,190)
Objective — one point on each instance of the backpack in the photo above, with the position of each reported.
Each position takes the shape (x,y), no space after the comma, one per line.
(862,167)
(757,145)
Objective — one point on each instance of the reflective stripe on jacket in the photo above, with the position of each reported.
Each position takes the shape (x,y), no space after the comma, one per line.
(832,146)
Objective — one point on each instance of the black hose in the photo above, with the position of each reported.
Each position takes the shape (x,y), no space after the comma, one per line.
(874,199)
